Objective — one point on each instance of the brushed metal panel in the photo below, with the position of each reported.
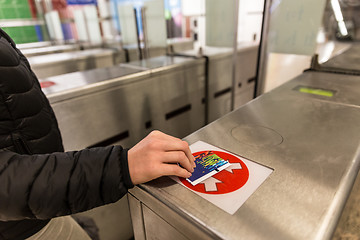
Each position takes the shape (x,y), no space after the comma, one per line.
(348,60)
(157,228)
(245,95)
(132,104)
(75,84)
(178,88)
(137,219)
(181,44)
(246,66)
(170,217)
(90,119)
(220,75)
(346,87)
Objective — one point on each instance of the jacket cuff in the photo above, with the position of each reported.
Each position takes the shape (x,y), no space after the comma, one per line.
(125,169)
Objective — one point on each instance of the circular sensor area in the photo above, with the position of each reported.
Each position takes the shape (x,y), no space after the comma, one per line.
(256,135)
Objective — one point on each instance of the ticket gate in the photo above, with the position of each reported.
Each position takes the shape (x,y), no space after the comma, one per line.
(122,104)
(306,130)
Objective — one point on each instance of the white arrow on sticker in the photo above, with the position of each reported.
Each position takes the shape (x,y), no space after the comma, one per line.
(210,184)
(233,166)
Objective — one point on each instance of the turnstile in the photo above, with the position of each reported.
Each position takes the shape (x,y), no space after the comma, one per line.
(307,130)
(122,104)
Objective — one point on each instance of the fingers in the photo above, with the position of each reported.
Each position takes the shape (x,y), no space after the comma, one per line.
(171,143)
(175,170)
(178,157)
(179,145)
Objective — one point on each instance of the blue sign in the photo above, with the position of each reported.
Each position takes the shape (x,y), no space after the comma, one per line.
(81,2)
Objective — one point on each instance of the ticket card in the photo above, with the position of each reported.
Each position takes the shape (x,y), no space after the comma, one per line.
(207,164)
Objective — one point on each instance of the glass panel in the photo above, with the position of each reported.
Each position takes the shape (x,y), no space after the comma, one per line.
(220,23)
(296,31)
(127,23)
(155,23)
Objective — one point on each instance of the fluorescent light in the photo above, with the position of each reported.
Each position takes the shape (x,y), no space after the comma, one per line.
(337,10)
(339,17)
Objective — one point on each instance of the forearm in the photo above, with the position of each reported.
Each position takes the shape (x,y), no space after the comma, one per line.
(48,185)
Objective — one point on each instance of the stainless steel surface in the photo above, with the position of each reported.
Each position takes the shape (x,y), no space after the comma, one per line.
(71,85)
(161,63)
(348,60)
(171,223)
(134,54)
(157,228)
(105,107)
(180,44)
(314,165)
(61,63)
(346,87)
(49,49)
(136,217)
(244,96)
(156,51)
(246,73)
(126,102)
(220,77)
(180,92)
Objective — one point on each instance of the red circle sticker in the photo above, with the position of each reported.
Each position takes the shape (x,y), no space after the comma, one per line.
(228,180)
(46,84)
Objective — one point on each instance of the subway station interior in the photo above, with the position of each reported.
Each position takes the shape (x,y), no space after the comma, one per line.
(275,82)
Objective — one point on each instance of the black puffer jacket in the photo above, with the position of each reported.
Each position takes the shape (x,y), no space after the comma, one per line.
(38,181)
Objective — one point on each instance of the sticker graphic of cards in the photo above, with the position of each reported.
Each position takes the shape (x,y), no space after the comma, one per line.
(207,164)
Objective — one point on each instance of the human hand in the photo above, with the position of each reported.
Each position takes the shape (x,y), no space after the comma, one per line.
(157,155)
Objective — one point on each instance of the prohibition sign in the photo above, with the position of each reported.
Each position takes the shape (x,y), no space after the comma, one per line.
(226,181)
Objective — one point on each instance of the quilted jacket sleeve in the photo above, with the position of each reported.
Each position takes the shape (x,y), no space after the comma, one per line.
(49,185)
